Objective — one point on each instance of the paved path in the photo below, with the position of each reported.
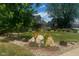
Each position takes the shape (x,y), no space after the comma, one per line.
(74,52)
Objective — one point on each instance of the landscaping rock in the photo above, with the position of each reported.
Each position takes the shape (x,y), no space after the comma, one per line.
(73,43)
(50,42)
(69,44)
(39,40)
(32,39)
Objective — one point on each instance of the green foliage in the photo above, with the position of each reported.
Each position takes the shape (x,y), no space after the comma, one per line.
(16,17)
(26,36)
(63,14)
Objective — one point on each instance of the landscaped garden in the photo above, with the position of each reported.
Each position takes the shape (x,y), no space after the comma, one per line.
(38,29)
(23,49)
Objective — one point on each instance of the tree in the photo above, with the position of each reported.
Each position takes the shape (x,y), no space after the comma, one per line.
(14,15)
(22,14)
(63,14)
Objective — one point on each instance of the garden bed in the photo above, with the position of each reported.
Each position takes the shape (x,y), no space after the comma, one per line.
(42,51)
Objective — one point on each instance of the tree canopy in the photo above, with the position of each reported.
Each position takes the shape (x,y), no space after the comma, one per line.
(63,13)
(16,17)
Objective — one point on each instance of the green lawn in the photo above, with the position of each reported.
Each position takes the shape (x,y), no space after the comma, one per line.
(66,36)
(60,35)
(8,49)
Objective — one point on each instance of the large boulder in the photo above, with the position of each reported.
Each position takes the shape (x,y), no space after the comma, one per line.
(49,42)
(32,39)
(38,40)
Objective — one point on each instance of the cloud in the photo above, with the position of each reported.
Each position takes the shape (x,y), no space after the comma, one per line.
(43,14)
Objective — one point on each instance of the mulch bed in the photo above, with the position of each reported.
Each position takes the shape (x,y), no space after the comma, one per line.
(47,51)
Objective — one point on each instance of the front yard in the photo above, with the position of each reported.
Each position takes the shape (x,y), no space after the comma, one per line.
(17,49)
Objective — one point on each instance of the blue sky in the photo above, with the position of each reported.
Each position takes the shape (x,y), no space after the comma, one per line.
(43,13)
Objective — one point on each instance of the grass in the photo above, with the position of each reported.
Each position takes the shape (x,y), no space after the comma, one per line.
(8,49)
(65,36)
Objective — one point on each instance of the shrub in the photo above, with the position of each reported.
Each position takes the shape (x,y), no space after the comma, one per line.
(63,43)
(26,36)
(59,30)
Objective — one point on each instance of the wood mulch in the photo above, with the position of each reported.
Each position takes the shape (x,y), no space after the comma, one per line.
(41,51)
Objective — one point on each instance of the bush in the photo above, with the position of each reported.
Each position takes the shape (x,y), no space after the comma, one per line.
(63,43)
(59,30)
(26,36)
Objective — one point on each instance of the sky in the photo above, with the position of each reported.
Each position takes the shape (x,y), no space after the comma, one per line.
(41,10)
(45,16)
